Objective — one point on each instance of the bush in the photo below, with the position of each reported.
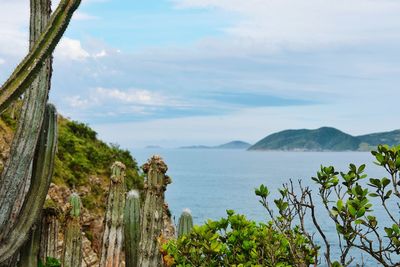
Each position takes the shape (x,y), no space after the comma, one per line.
(237,241)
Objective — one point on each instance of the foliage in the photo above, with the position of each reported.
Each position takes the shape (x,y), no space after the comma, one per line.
(237,241)
(80,154)
(348,202)
(50,262)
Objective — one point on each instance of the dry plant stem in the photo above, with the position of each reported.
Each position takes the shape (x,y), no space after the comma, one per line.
(49,234)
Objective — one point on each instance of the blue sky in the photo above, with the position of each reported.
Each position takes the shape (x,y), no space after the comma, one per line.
(183,72)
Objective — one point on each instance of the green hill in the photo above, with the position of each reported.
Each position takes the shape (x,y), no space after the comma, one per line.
(390,138)
(323,139)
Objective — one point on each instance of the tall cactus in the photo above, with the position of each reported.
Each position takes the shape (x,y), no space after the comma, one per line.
(26,147)
(112,236)
(42,172)
(49,233)
(72,250)
(185,224)
(30,250)
(151,221)
(132,228)
(43,47)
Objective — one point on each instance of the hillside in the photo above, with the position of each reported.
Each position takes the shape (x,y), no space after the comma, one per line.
(325,138)
(389,138)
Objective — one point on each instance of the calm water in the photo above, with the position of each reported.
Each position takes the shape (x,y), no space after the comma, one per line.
(211,181)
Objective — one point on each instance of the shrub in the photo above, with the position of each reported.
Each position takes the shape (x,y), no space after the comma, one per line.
(237,241)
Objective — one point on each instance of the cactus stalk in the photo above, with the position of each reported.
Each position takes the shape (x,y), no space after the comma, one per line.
(185,224)
(72,250)
(49,233)
(42,172)
(32,151)
(30,66)
(132,228)
(151,221)
(30,250)
(112,236)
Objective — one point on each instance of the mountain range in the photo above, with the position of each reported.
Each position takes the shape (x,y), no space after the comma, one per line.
(324,139)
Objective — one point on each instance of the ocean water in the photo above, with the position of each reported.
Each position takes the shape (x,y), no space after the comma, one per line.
(210,181)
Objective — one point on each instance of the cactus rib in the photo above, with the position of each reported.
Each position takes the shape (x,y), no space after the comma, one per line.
(27,70)
(72,250)
(113,234)
(151,220)
(132,228)
(42,172)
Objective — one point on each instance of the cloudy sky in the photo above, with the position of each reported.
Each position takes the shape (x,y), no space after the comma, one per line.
(181,72)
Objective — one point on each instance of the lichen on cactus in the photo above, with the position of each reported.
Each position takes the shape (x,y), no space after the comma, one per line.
(72,250)
(185,224)
(113,235)
(151,220)
(132,228)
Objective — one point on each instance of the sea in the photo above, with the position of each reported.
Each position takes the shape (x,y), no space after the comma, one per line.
(210,181)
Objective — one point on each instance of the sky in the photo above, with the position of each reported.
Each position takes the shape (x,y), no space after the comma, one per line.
(189,72)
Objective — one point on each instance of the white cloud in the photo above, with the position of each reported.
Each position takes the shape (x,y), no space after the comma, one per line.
(134,96)
(2,61)
(100,54)
(71,49)
(304,24)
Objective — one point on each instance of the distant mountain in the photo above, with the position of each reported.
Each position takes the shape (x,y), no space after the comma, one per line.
(389,138)
(230,145)
(324,139)
(235,145)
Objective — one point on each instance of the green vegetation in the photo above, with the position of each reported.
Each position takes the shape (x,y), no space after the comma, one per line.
(325,138)
(50,262)
(237,241)
(80,154)
(286,241)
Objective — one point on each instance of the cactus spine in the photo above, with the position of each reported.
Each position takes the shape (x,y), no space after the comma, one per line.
(49,233)
(112,237)
(151,221)
(185,224)
(132,228)
(72,251)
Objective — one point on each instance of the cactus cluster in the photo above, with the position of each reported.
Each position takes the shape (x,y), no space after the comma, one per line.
(33,148)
